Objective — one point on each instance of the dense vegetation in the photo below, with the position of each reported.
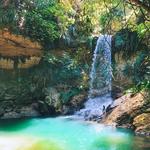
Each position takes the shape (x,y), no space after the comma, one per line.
(69,26)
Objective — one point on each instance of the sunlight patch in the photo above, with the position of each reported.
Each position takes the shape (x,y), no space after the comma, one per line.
(24,143)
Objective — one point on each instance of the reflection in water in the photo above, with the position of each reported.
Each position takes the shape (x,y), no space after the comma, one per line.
(65,134)
(113,142)
(14,124)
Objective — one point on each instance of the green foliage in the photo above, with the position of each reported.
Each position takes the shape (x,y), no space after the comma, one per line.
(83,55)
(66,96)
(42,21)
(63,69)
(108,17)
(41,30)
(140,69)
(143,31)
(41,24)
(82,58)
(124,42)
(143,86)
(142,66)
(45,21)
(8,18)
(82,15)
(139,72)
(83,25)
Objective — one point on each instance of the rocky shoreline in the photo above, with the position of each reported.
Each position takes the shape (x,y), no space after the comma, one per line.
(128,111)
(132,112)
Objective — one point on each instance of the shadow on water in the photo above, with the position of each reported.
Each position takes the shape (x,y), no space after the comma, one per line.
(14,124)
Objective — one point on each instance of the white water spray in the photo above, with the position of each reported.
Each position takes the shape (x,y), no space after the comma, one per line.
(99,97)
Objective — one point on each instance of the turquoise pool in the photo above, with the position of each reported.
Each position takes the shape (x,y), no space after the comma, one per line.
(62,133)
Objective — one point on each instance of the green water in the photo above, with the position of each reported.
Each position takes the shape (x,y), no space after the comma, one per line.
(66,134)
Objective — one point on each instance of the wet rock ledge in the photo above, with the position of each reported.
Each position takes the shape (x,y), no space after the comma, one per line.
(131,111)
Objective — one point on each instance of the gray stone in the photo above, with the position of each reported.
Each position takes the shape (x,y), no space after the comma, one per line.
(10,115)
(29,112)
(53,97)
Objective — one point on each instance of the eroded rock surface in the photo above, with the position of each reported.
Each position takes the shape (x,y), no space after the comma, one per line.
(25,111)
(130,112)
(142,123)
(18,52)
(76,103)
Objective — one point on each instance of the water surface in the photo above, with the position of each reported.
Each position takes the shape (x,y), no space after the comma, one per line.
(66,134)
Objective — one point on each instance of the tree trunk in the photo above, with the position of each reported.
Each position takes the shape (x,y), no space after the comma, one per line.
(141,4)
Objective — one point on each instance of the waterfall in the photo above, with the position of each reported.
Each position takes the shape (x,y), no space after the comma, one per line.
(99,97)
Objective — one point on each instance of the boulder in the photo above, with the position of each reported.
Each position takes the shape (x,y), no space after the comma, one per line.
(45,109)
(78,100)
(53,97)
(76,103)
(67,110)
(28,111)
(142,123)
(51,104)
(10,115)
(19,112)
(128,111)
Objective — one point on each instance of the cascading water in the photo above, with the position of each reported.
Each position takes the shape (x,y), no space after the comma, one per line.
(100,85)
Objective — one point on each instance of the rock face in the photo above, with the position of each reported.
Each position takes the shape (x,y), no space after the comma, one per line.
(142,123)
(53,97)
(25,111)
(130,112)
(51,103)
(18,52)
(75,104)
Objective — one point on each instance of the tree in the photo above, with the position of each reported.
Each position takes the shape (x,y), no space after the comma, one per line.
(42,21)
(144,4)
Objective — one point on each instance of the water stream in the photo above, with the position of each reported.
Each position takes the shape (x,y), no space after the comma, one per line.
(100,84)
